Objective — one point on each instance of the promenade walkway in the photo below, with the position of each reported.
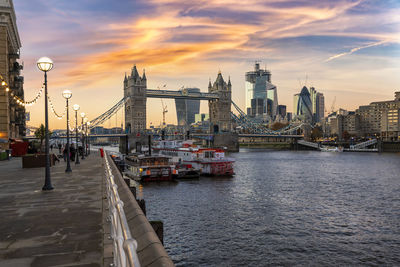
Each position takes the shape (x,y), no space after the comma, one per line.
(62,227)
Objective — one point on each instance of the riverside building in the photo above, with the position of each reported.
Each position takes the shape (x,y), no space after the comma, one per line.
(12,115)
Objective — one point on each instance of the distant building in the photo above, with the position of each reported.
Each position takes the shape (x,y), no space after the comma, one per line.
(259,90)
(309,105)
(304,106)
(381,118)
(201,117)
(186,109)
(282,110)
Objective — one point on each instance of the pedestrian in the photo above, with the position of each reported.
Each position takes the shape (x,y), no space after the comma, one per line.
(72,151)
(51,147)
(65,153)
(59,148)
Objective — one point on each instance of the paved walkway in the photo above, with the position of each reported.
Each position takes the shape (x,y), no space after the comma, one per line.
(62,227)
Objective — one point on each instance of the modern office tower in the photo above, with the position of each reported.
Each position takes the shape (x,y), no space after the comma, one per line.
(320,107)
(12,115)
(282,111)
(312,105)
(295,102)
(187,109)
(258,86)
(201,117)
(304,106)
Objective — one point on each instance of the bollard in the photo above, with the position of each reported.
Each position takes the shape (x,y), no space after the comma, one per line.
(101,152)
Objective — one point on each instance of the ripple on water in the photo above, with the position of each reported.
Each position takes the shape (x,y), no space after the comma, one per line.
(285,208)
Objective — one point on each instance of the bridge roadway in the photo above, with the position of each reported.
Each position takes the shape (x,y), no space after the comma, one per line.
(66,226)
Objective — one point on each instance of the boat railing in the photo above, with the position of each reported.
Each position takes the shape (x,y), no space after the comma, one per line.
(125,247)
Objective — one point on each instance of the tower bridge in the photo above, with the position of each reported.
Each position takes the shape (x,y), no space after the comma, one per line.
(221,116)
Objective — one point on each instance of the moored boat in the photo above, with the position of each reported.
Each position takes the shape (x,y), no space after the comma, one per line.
(210,161)
(146,168)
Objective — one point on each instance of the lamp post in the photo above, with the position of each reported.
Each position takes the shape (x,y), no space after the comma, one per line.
(88,143)
(76,108)
(45,64)
(85,120)
(67,95)
(83,135)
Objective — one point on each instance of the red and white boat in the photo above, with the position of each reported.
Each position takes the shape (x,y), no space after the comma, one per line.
(210,161)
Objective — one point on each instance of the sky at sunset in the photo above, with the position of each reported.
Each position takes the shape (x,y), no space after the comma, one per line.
(348,49)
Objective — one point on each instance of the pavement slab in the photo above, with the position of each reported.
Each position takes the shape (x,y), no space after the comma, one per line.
(61,227)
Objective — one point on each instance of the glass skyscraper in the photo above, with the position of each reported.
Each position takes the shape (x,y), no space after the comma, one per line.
(260,92)
(309,105)
(187,109)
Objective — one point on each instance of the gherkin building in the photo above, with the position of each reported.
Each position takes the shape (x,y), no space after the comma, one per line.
(304,105)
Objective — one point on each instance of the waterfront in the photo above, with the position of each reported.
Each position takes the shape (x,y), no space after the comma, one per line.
(284,208)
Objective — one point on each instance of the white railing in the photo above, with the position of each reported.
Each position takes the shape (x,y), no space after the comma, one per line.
(125,246)
(306,143)
(364,144)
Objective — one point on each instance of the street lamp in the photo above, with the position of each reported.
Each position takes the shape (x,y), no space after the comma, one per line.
(76,108)
(83,135)
(88,143)
(67,95)
(45,64)
(85,120)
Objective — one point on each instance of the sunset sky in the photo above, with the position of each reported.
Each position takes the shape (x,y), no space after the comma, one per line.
(348,49)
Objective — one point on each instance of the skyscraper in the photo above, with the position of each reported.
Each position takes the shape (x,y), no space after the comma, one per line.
(309,105)
(258,86)
(187,109)
(304,106)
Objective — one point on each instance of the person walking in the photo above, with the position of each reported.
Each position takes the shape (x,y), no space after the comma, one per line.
(65,152)
(72,151)
(59,148)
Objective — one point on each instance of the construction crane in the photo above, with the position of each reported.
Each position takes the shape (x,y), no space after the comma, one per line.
(333,105)
(164,108)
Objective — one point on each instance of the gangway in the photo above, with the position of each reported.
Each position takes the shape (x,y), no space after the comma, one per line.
(307,143)
(364,144)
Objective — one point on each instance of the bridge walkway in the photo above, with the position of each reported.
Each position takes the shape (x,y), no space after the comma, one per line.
(62,227)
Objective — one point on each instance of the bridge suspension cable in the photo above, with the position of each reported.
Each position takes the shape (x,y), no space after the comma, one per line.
(108,114)
(243,120)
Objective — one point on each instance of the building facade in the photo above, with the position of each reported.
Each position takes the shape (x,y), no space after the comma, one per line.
(381,118)
(259,89)
(187,109)
(309,105)
(12,115)
(135,107)
(220,109)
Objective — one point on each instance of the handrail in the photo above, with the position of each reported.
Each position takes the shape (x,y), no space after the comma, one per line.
(125,254)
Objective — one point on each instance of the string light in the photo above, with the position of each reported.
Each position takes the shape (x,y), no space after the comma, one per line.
(54,111)
(19,100)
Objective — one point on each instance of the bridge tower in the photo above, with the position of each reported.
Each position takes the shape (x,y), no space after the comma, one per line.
(220,109)
(135,108)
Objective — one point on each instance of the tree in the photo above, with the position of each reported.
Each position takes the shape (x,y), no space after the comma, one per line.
(278,125)
(41,134)
(346,135)
(316,133)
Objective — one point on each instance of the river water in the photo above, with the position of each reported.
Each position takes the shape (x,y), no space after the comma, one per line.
(285,208)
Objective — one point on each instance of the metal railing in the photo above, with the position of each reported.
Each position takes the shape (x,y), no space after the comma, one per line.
(125,246)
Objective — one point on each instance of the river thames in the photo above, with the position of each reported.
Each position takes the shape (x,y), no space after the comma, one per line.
(284,208)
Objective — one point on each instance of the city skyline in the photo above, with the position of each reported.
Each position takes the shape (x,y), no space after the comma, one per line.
(347,49)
